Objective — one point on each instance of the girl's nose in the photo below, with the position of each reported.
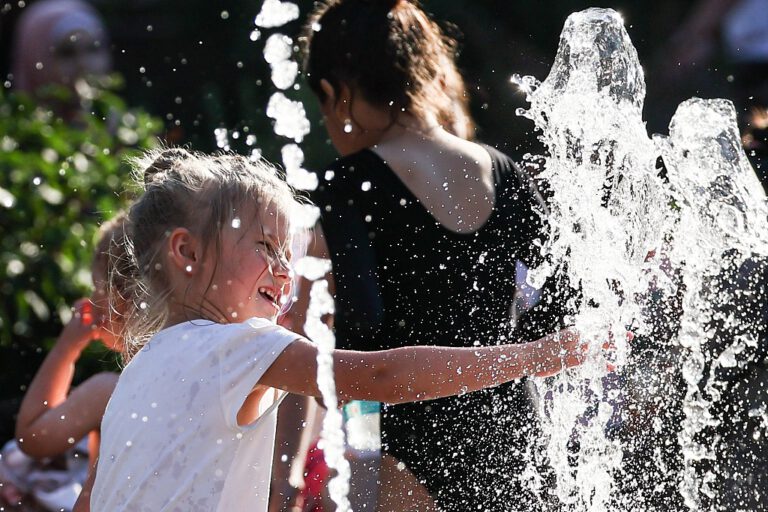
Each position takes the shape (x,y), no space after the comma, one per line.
(281,270)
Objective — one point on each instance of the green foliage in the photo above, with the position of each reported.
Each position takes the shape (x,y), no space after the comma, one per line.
(58,181)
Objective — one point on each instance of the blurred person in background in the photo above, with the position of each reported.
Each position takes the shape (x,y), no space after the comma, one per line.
(57,430)
(59,43)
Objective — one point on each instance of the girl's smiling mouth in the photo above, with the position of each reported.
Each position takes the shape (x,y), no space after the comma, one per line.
(270,295)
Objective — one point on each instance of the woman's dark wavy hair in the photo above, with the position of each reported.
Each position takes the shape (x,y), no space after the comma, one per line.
(392,53)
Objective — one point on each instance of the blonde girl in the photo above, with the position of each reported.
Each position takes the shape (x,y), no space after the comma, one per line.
(191,423)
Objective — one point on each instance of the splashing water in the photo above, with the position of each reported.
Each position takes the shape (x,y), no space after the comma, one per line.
(275,13)
(332,435)
(722,223)
(618,227)
(291,122)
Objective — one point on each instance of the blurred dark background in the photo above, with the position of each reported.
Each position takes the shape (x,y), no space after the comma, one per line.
(194,64)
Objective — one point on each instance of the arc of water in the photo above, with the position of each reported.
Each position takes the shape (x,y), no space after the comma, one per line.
(724,214)
(290,121)
(604,219)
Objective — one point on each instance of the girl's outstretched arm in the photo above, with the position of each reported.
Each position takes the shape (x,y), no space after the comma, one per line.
(415,373)
(50,418)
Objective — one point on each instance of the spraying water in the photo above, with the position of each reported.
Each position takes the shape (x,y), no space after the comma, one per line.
(721,224)
(290,121)
(618,226)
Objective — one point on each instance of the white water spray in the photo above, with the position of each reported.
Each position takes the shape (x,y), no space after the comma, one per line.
(617,225)
(290,121)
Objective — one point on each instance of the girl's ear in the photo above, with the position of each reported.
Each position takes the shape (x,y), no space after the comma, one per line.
(184,251)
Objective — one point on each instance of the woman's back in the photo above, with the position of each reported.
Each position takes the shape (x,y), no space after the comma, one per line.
(451,177)
(423,229)
(404,278)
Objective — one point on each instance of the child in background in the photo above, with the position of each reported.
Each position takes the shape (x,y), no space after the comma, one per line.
(191,423)
(54,423)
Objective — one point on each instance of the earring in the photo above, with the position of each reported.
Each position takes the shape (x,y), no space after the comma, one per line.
(188,269)
(347,125)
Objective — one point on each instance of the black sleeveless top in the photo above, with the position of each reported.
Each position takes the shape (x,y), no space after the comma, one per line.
(403,279)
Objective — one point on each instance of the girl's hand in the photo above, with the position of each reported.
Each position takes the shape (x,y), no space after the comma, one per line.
(557,352)
(564,349)
(82,328)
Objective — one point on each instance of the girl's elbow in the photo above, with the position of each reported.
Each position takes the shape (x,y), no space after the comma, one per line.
(30,445)
(382,383)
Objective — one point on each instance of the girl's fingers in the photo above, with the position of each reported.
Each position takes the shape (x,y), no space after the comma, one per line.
(86,313)
(610,345)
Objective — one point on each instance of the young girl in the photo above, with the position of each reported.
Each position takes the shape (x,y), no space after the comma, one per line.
(191,423)
(54,416)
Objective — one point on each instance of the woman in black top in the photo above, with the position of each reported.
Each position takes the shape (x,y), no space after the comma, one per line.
(423,229)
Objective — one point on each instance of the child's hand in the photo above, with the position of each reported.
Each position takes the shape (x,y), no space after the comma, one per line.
(564,349)
(559,351)
(82,328)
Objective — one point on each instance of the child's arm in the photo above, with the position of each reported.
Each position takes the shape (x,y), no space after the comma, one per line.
(83,503)
(423,372)
(49,421)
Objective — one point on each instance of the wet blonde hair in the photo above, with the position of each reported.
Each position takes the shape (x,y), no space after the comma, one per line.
(110,250)
(110,255)
(199,192)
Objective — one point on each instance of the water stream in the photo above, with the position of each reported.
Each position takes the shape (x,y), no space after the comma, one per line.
(627,228)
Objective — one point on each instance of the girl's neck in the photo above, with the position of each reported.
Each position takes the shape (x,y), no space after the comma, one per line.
(179,313)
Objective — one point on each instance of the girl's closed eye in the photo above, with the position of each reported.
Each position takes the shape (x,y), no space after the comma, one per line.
(272,252)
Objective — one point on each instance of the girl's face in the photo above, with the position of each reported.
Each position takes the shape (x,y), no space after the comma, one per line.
(251,275)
